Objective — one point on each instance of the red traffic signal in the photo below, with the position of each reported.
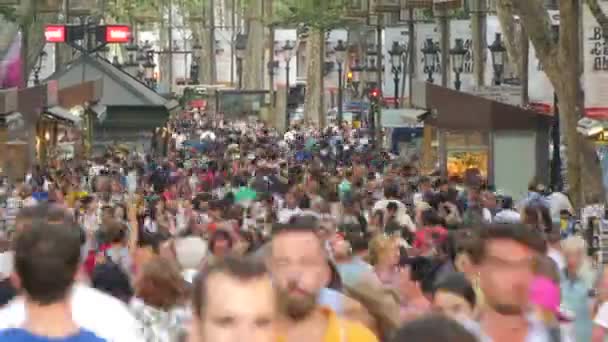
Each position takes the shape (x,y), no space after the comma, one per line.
(374,93)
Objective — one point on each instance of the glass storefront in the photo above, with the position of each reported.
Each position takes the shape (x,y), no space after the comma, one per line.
(465,151)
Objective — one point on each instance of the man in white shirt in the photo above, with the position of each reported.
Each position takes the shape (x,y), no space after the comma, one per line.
(391,193)
(92,310)
(105,316)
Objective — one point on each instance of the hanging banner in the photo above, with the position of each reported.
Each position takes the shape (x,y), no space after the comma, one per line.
(595,59)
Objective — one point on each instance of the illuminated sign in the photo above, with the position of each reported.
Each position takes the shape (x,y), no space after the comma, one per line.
(118,34)
(54,33)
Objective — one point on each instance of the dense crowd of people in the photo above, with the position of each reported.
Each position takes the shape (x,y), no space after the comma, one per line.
(243,234)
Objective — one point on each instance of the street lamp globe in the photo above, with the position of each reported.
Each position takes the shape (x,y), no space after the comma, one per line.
(116,62)
(498,50)
(141,56)
(340,51)
(147,46)
(457,53)
(287,48)
(396,53)
(149,67)
(430,53)
(241,45)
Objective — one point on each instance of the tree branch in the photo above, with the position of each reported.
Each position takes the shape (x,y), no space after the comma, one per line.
(505,12)
(535,19)
(599,15)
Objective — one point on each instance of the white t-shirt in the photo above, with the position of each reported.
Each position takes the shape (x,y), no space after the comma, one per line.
(92,310)
(402,217)
(601,318)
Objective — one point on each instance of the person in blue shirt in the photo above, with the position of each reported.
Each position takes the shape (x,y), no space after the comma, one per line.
(47,258)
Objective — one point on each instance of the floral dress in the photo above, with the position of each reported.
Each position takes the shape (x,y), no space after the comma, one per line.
(159,325)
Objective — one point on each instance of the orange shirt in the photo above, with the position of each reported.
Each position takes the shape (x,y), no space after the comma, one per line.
(341,330)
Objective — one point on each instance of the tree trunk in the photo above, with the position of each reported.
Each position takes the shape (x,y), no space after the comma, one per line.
(253,65)
(313,103)
(561,62)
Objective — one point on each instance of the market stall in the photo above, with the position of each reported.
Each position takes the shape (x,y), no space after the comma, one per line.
(464,131)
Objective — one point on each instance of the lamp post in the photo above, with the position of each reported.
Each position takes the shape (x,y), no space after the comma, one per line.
(356,70)
(457,53)
(116,62)
(38,67)
(194,67)
(340,51)
(396,52)
(430,52)
(273,66)
(149,67)
(498,50)
(287,49)
(131,66)
(240,46)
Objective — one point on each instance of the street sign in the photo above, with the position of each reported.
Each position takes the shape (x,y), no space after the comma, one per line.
(507,94)
(54,33)
(117,34)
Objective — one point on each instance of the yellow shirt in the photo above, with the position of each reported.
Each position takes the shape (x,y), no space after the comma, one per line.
(341,330)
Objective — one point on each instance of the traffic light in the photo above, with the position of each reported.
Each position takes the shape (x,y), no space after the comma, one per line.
(374,95)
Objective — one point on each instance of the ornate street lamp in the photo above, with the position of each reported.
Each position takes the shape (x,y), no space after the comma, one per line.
(430,51)
(340,51)
(149,67)
(38,67)
(457,53)
(240,46)
(131,66)
(287,51)
(116,62)
(396,52)
(498,51)
(356,70)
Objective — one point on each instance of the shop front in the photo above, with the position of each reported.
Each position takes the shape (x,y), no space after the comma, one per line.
(465,133)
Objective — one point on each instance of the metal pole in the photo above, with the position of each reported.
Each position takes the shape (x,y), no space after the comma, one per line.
(444,25)
(457,83)
(524,65)
(340,86)
(287,95)
(411,54)
(170,24)
(380,68)
(239,71)
(396,80)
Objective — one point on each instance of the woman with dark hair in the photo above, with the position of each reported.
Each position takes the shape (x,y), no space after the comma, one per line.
(433,329)
(537,215)
(220,245)
(455,297)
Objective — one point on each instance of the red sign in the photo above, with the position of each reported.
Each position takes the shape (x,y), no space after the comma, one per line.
(118,34)
(198,104)
(54,33)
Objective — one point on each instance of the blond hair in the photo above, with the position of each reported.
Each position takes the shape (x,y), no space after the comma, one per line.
(574,244)
(379,246)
